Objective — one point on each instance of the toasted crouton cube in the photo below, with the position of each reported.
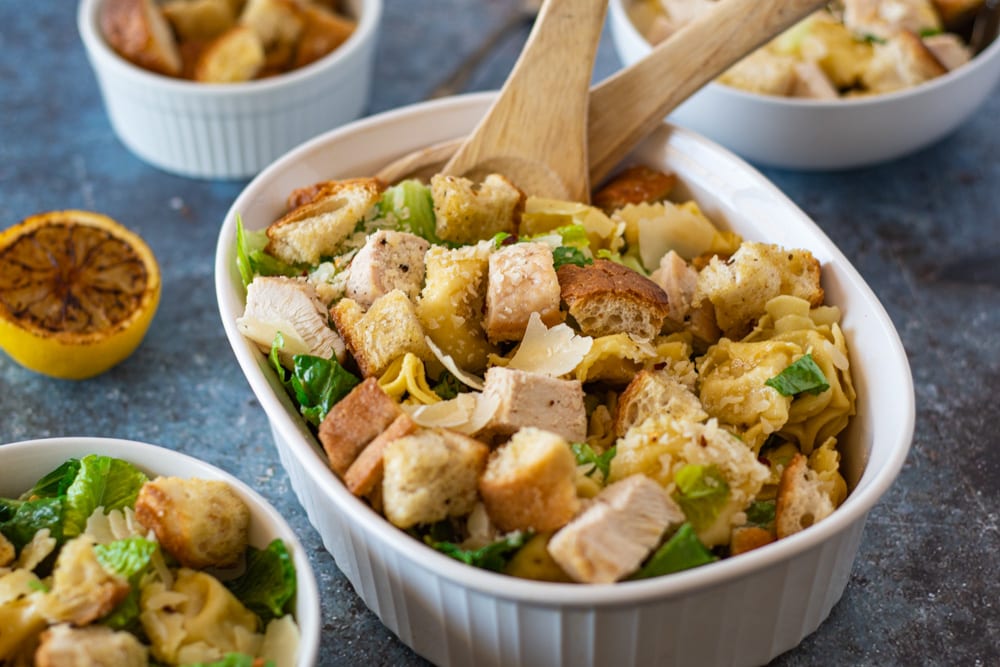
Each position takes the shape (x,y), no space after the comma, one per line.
(202,523)
(612,537)
(315,230)
(606,298)
(198,20)
(635,185)
(466,214)
(389,260)
(748,538)
(322,32)
(278,23)
(529,483)
(365,474)
(82,591)
(762,72)
(803,498)
(233,57)
(354,422)
(138,31)
(63,645)
(386,332)
(430,476)
(531,399)
(654,392)
(452,302)
(740,288)
(902,62)
(522,281)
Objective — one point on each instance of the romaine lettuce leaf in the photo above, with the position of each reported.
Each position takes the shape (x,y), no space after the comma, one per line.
(251,260)
(233,660)
(493,556)
(802,376)
(102,481)
(130,558)
(267,586)
(681,552)
(21,519)
(564,255)
(585,455)
(317,383)
(701,492)
(55,483)
(410,206)
(761,513)
(628,259)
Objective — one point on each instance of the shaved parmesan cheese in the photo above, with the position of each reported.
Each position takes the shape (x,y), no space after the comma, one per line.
(466,413)
(554,351)
(263,332)
(467,379)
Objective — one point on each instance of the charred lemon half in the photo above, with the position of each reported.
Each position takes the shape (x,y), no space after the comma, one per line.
(77,293)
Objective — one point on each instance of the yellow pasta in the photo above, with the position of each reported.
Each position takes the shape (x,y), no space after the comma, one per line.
(617,358)
(406,381)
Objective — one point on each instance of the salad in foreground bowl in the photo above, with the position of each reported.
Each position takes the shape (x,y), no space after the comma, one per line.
(99,564)
(555,390)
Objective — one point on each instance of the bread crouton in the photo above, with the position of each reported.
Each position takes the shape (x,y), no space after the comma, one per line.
(278,23)
(529,483)
(748,538)
(81,591)
(202,523)
(884,19)
(522,281)
(740,288)
(389,260)
(635,185)
(606,298)
(803,498)
(386,332)
(612,537)
(310,232)
(654,392)
(902,62)
(430,476)
(138,31)
(234,56)
(322,32)
(452,302)
(365,474)
(98,645)
(354,422)
(812,82)
(762,72)
(531,399)
(948,49)
(199,20)
(466,213)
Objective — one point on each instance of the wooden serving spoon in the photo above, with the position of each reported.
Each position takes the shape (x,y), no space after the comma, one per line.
(535,133)
(628,105)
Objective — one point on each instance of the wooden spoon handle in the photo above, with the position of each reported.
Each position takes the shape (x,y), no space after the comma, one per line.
(536,129)
(628,105)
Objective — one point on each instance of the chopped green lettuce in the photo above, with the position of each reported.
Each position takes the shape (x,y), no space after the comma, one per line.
(317,383)
(701,492)
(21,519)
(448,386)
(628,259)
(102,481)
(499,239)
(681,552)
(802,376)
(761,513)
(251,260)
(131,558)
(55,483)
(267,586)
(410,205)
(585,455)
(564,255)
(494,556)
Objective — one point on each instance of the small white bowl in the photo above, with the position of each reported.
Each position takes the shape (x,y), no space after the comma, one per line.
(821,134)
(230,131)
(740,611)
(24,463)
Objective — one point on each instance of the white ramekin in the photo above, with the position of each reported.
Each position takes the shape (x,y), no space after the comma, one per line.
(24,463)
(824,134)
(230,131)
(740,611)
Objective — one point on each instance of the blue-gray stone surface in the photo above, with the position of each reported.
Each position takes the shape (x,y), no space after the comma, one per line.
(924,231)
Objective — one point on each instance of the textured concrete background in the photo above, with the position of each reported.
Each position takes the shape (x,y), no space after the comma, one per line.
(924,231)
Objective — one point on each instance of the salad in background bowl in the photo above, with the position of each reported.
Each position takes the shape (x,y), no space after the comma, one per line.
(125,551)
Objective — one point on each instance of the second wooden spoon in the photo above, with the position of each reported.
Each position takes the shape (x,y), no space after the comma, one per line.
(628,105)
